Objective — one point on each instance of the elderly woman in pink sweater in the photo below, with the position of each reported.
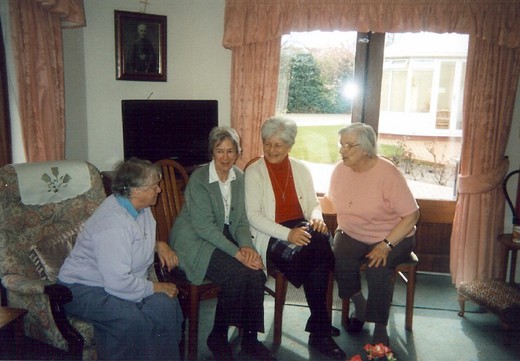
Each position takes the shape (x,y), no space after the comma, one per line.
(376,214)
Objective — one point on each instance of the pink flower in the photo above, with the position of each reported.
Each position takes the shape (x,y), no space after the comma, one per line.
(379,351)
(356,358)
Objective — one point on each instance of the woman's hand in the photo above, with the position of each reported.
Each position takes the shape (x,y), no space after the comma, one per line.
(299,236)
(250,258)
(169,288)
(378,255)
(319,225)
(167,256)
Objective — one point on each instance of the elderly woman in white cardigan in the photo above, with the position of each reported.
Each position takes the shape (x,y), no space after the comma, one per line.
(288,228)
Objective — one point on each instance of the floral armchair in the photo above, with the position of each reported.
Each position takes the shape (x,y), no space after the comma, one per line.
(35,237)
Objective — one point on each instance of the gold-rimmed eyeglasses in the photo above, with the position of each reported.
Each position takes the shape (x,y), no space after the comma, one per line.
(347,146)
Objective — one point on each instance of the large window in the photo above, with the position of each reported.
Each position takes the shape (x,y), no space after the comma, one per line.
(408,86)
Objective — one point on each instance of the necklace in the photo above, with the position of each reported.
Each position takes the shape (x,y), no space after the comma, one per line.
(273,176)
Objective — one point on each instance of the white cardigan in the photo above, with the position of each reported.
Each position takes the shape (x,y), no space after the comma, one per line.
(260,202)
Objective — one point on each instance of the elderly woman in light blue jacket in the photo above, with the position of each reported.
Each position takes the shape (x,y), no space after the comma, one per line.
(134,318)
(212,239)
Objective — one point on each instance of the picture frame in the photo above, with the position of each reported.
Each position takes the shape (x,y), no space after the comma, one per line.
(140,46)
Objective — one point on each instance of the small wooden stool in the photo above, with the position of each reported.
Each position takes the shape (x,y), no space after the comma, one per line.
(14,316)
(498,297)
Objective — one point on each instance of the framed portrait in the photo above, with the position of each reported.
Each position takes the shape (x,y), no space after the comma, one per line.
(140,46)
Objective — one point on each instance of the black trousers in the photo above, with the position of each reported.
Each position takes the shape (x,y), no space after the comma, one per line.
(350,255)
(241,300)
(310,267)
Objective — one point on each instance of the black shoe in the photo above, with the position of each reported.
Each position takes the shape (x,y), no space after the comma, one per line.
(380,337)
(354,325)
(257,350)
(334,331)
(327,347)
(220,347)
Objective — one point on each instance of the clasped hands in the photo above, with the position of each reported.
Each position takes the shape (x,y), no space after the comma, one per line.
(300,235)
(250,258)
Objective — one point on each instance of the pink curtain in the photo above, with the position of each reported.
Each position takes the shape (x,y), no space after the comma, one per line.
(254,84)
(36,26)
(493,70)
(491,83)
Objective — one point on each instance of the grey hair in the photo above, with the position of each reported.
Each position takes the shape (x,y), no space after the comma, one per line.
(365,136)
(133,173)
(219,134)
(283,128)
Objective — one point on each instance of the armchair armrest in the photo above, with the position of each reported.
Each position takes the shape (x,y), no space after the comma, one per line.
(60,295)
(24,285)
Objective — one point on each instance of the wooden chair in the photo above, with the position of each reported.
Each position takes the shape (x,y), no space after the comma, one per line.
(279,293)
(169,204)
(409,268)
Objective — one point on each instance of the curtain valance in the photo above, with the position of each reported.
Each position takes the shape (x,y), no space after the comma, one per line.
(256,21)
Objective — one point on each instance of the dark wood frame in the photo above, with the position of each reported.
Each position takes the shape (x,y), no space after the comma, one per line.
(126,33)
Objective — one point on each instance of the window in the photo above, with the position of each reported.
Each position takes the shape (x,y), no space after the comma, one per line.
(409,86)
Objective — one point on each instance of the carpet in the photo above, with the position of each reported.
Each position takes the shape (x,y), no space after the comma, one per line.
(432,291)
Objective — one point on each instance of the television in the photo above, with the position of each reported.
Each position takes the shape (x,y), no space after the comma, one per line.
(168,129)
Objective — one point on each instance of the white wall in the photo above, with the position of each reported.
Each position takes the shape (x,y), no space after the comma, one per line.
(198,67)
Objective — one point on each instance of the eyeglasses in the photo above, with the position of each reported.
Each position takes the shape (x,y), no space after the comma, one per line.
(347,146)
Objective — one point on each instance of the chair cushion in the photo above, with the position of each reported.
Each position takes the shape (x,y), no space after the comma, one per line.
(49,253)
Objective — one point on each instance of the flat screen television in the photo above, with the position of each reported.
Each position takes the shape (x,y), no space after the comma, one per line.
(174,129)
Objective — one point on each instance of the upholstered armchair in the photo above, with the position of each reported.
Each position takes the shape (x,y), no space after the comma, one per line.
(42,207)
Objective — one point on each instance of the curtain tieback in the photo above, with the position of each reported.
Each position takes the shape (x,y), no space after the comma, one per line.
(483,182)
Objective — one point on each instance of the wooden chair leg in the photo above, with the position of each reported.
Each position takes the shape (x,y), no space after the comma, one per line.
(330,291)
(345,311)
(279,301)
(193,324)
(462,305)
(410,296)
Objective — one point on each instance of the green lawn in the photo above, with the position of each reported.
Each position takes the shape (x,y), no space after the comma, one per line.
(319,144)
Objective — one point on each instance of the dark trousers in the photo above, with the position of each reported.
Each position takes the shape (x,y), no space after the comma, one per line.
(241,300)
(126,330)
(350,255)
(310,268)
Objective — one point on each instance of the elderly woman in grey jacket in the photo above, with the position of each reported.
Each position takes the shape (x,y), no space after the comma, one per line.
(212,239)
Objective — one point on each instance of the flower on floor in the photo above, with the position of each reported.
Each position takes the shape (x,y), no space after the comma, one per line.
(378,352)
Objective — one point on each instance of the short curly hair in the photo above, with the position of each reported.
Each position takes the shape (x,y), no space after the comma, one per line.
(134,173)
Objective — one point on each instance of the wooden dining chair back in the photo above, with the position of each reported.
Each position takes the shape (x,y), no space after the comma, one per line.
(169,204)
(171,199)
